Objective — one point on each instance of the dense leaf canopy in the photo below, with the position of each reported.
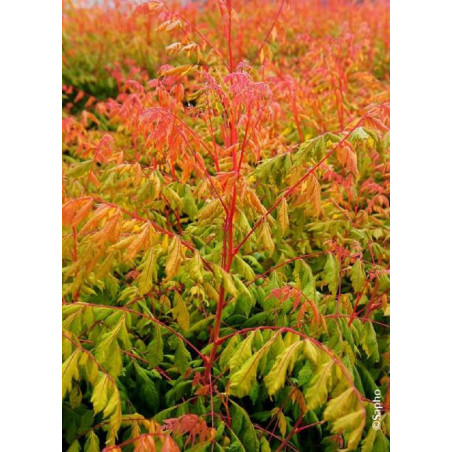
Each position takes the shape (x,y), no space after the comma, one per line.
(226,226)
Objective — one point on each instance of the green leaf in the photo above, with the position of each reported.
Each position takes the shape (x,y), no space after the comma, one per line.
(265,445)
(243,306)
(150,394)
(154,353)
(189,204)
(305,374)
(321,384)
(381,443)
(353,423)
(274,380)
(195,268)
(304,279)
(108,353)
(265,237)
(283,217)
(228,351)
(147,389)
(80,169)
(331,273)
(228,283)
(242,353)
(383,282)
(181,357)
(180,312)
(148,272)
(99,396)
(254,392)
(243,269)
(367,380)
(341,405)
(92,442)
(74,447)
(113,409)
(201,325)
(242,380)
(282,423)
(70,371)
(243,428)
(369,342)
(178,391)
(368,442)
(311,351)
(243,290)
(358,276)
(175,257)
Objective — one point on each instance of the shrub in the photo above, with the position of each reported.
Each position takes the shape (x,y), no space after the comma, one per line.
(226,227)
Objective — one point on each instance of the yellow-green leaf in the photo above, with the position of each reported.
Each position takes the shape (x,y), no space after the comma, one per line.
(321,384)
(368,442)
(196,267)
(181,357)
(99,396)
(331,273)
(228,352)
(283,217)
(154,352)
(180,312)
(282,423)
(175,257)
(70,371)
(179,70)
(310,351)
(108,353)
(228,283)
(92,442)
(115,418)
(242,380)
(266,237)
(243,268)
(80,169)
(148,272)
(75,447)
(341,405)
(358,276)
(274,380)
(242,353)
(352,423)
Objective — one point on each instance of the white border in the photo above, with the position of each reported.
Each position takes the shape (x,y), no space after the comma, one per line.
(30,228)
(421,218)
(30,183)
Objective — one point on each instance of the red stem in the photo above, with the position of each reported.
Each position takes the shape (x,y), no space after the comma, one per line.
(229,34)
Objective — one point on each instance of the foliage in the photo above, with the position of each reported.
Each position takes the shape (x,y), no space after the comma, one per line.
(225,226)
